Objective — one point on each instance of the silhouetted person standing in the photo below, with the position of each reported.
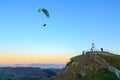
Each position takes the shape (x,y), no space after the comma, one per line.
(101,49)
(92,49)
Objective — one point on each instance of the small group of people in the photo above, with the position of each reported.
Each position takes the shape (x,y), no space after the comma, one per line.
(93,48)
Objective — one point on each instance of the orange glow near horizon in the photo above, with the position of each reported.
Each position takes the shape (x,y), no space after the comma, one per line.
(26,58)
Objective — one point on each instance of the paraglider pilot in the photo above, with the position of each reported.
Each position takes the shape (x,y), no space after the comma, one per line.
(44,25)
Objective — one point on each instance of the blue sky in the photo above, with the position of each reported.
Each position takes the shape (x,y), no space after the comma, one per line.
(72,27)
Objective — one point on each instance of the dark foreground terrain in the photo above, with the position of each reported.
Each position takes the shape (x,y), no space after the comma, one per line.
(26,73)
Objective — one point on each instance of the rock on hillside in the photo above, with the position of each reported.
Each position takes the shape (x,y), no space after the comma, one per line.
(79,66)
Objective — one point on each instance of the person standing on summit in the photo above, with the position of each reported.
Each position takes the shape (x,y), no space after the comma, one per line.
(101,49)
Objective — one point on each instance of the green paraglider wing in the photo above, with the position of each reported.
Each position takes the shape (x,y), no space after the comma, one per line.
(45,11)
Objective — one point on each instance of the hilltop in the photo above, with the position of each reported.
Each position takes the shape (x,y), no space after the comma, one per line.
(92,65)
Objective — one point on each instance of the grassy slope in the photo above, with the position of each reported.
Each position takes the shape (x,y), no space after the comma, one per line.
(113,60)
(104,74)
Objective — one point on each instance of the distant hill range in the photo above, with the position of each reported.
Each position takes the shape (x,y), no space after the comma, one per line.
(45,66)
(91,65)
(26,73)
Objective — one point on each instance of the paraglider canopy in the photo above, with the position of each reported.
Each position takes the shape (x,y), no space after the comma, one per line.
(45,11)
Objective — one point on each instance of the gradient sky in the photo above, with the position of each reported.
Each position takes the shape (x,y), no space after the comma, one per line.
(72,27)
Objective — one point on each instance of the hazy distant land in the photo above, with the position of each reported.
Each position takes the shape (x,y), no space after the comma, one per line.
(46,66)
